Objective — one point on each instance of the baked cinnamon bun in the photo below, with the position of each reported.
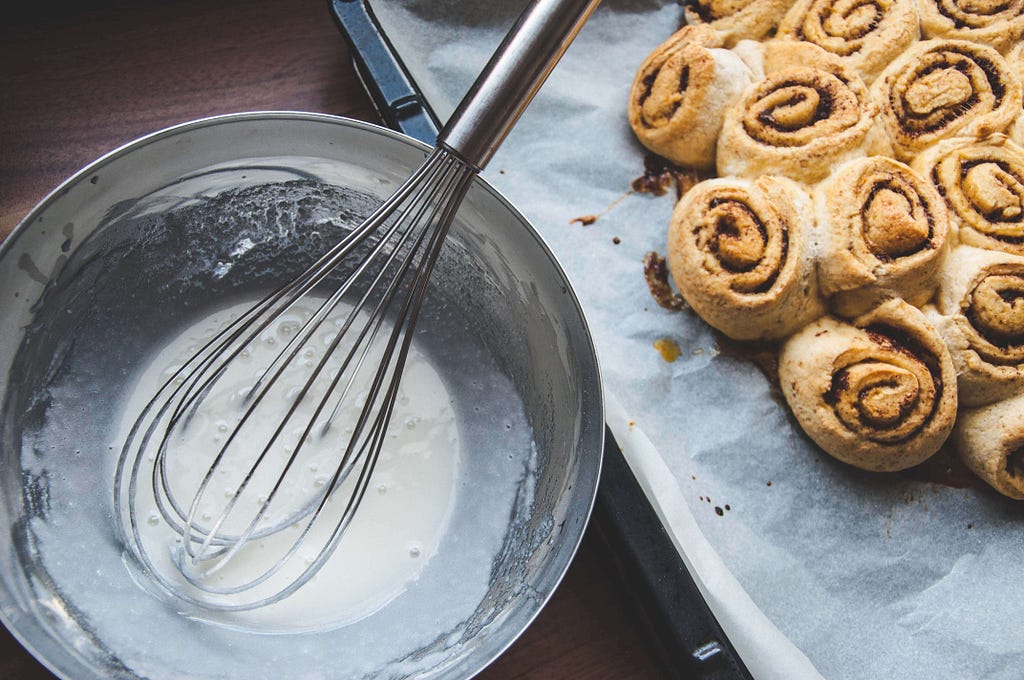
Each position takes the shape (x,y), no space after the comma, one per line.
(680,94)
(808,114)
(738,19)
(878,393)
(945,88)
(983,185)
(866,34)
(738,252)
(999,23)
(883,233)
(980,315)
(990,441)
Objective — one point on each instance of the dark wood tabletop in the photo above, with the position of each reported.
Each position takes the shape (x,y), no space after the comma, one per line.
(79,79)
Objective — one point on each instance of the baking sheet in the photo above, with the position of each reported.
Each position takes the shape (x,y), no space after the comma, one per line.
(809,565)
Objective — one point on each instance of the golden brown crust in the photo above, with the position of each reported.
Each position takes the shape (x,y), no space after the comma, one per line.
(738,19)
(680,93)
(759,259)
(990,441)
(883,234)
(799,121)
(983,185)
(878,393)
(738,254)
(866,35)
(944,88)
(980,315)
(1015,58)
(999,23)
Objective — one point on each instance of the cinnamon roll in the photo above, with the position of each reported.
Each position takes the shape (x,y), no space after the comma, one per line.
(980,315)
(883,231)
(738,19)
(867,34)
(983,184)
(944,88)
(990,441)
(999,23)
(878,393)
(798,121)
(738,252)
(680,93)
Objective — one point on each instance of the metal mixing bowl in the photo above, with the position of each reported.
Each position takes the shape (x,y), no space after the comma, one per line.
(146,239)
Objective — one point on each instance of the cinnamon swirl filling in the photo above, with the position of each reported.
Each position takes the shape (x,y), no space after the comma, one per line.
(995,311)
(798,121)
(978,13)
(945,86)
(1015,463)
(896,221)
(680,93)
(889,395)
(878,393)
(800,109)
(744,246)
(980,314)
(842,25)
(885,233)
(739,19)
(983,185)
(942,88)
(867,33)
(671,79)
(738,254)
(999,23)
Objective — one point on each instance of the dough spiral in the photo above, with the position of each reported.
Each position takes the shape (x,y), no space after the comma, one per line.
(799,120)
(680,93)
(944,88)
(738,253)
(983,184)
(879,393)
(980,314)
(999,23)
(739,19)
(883,234)
(990,441)
(867,34)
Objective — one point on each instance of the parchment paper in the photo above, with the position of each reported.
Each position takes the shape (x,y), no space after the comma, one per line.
(806,562)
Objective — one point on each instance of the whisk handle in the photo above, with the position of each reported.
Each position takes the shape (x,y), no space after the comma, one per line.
(513,75)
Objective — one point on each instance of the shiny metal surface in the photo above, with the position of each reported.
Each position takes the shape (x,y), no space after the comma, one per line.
(373,282)
(512,77)
(379,271)
(508,296)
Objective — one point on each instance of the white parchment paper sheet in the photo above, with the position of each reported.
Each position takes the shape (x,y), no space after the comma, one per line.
(868,576)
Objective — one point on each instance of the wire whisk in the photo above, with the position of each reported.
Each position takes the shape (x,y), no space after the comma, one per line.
(248,532)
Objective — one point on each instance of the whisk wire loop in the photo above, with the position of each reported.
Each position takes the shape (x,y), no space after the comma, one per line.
(403,239)
(256,395)
(237,335)
(449,182)
(385,263)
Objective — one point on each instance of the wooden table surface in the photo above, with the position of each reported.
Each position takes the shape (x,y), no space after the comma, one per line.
(75,82)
